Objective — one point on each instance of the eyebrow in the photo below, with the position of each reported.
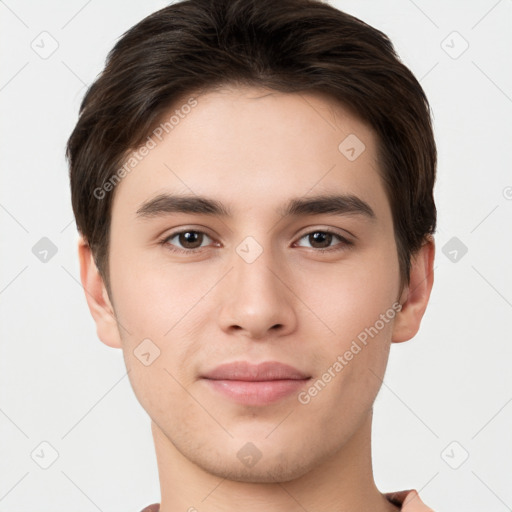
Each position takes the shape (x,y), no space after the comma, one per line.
(336,204)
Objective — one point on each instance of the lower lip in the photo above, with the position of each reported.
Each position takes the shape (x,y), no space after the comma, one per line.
(256,393)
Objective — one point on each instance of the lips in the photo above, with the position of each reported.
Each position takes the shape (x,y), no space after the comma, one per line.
(255,385)
(244,371)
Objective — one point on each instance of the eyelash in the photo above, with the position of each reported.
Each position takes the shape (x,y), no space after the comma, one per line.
(345,243)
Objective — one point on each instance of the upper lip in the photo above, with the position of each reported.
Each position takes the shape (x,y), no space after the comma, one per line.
(243,370)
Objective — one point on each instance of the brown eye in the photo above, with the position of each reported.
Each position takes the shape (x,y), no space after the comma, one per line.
(189,240)
(321,239)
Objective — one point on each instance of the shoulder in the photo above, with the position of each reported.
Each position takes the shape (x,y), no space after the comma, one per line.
(409,500)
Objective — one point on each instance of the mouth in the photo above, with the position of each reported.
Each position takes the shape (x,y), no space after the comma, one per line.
(255,385)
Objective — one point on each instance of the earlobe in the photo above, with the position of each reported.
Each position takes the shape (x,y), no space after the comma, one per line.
(416,295)
(97,297)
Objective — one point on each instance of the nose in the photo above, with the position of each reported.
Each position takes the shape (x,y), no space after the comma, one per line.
(257,297)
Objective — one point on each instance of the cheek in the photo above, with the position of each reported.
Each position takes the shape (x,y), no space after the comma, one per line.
(354,359)
(361,317)
(350,296)
(153,300)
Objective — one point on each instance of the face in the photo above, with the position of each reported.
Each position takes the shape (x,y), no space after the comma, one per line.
(315,287)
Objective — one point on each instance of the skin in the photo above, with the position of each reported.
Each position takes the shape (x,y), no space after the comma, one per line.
(253,150)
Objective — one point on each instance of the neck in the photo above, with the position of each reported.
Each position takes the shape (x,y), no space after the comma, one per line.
(342,482)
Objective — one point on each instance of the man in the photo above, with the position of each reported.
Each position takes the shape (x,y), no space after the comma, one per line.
(253,186)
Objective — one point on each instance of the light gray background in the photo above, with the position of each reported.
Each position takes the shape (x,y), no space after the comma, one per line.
(60,385)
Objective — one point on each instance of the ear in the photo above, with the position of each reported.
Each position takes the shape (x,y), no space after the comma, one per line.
(97,298)
(416,294)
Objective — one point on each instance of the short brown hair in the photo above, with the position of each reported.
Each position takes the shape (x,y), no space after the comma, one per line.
(195,46)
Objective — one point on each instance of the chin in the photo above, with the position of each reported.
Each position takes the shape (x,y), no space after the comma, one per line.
(277,467)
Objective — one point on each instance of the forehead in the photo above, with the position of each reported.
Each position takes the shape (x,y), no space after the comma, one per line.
(253,148)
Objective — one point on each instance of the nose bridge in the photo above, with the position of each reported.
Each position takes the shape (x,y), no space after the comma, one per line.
(253,262)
